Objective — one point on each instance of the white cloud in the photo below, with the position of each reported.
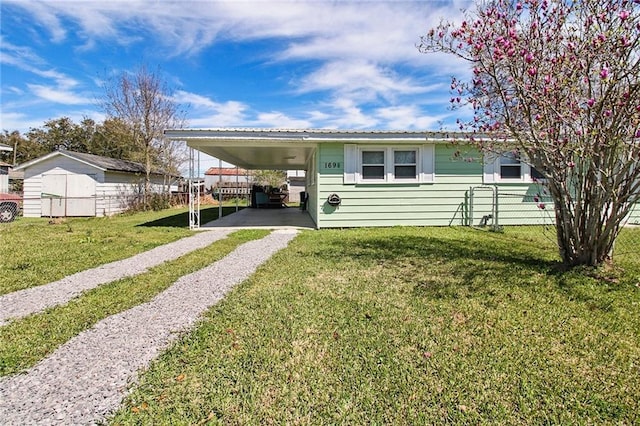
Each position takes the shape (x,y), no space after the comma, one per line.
(279,119)
(206,113)
(383,31)
(347,114)
(11,121)
(24,122)
(362,80)
(59,95)
(407,117)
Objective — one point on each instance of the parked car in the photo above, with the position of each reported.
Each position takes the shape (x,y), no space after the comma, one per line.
(9,206)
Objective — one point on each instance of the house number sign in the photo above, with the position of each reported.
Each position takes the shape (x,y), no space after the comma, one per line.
(332,165)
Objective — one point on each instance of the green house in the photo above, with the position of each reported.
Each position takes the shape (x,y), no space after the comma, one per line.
(387,178)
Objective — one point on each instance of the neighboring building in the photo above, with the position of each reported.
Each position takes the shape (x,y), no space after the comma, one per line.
(214,175)
(66,183)
(296,185)
(386,178)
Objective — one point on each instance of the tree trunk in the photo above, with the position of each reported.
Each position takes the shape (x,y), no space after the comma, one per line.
(586,233)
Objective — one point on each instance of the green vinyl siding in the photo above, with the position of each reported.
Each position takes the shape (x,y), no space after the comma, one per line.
(634,216)
(441,203)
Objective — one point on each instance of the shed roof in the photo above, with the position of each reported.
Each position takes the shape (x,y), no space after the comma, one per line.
(4,147)
(97,161)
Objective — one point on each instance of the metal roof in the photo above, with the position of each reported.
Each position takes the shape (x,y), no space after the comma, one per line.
(97,161)
(107,163)
(289,149)
(284,133)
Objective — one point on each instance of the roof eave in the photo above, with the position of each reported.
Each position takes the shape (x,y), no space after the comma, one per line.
(303,135)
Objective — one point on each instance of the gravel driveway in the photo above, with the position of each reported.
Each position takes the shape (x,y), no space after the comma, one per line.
(87,377)
(35,299)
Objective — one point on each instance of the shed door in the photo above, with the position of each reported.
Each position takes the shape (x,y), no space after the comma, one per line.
(68,195)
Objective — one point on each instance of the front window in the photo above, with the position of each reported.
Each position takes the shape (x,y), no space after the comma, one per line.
(405,164)
(373,165)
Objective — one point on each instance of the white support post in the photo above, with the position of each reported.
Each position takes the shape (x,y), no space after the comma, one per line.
(194,191)
(219,189)
(237,190)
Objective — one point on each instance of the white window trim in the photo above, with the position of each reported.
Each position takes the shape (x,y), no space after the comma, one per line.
(425,164)
(492,173)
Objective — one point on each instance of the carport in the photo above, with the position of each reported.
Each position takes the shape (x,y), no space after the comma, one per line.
(288,218)
(251,149)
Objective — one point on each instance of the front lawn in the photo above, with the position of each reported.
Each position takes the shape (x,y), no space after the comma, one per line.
(408,326)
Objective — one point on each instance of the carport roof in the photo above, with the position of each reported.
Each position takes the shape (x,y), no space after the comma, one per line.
(285,149)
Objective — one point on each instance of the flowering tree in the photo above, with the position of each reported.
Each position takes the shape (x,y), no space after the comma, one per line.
(558,82)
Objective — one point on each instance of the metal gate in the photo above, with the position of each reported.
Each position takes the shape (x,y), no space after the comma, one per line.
(483,206)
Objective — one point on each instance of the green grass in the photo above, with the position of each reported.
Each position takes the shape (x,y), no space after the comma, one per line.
(34,252)
(407,326)
(24,342)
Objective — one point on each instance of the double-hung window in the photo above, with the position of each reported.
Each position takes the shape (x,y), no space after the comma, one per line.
(405,164)
(508,167)
(373,164)
(389,164)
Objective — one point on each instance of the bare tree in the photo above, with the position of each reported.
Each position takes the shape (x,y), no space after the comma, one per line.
(144,101)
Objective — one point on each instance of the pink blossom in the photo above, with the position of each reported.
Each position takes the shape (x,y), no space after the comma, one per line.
(528,57)
(604,73)
(637,133)
(571,164)
(542,206)
(591,102)
(532,71)
(607,113)
(624,14)
(519,6)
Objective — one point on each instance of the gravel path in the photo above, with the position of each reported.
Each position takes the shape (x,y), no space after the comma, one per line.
(35,299)
(87,377)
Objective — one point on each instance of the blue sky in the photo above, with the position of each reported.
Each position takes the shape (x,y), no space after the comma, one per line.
(274,64)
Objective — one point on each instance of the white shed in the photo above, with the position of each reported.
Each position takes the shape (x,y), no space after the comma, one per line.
(66,183)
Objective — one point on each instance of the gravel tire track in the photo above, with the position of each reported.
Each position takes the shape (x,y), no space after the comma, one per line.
(86,378)
(36,299)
